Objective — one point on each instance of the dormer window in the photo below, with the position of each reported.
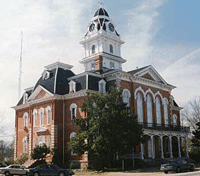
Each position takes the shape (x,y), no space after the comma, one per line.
(111,49)
(72,86)
(25,97)
(112,65)
(93,49)
(92,66)
(46,75)
(102,86)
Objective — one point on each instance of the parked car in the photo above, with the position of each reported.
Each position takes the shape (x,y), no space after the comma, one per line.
(49,169)
(2,164)
(14,169)
(177,166)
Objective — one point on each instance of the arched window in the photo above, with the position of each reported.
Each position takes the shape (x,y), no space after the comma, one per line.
(73,134)
(41,112)
(111,49)
(72,86)
(41,140)
(126,96)
(73,109)
(139,107)
(34,117)
(102,86)
(93,49)
(48,114)
(174,119)
(149,110)
(25,145)
(25,119)
(165,104)
(158,111)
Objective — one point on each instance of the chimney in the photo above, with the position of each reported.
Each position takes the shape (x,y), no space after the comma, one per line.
(98,64)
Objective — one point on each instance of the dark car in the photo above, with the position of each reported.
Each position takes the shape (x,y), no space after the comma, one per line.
(48,169)
(2,164)
(177,166)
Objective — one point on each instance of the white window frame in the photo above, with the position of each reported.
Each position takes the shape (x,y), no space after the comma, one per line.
(35,117)
(72,134)
(140,108)
(25,119)
(72,86)
(41,114)
(165,106)
(93,49)
(73,116)
(25,97)
(158,111)
(48,112)
(25,144)
(174,117)
(41,140)
(149,110)
(112,65)
(48,142)
(126,96)
(92,66)
(102,86)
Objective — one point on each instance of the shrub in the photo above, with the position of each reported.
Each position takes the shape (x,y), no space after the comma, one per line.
(22,158)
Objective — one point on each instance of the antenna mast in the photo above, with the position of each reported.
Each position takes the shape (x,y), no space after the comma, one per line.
(20,67)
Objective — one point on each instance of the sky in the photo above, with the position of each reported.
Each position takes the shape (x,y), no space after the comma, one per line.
(161,33)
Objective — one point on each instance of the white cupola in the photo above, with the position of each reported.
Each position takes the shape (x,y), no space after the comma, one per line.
(102,39)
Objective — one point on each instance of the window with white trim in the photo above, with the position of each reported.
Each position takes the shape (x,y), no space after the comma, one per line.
(149,110)
(73,109)
(93,49)
(111,49)
(102,86)
(165,104)
(72,86)
(112,65)
(139,107)
(41,140)
(126,96)
(34,117)
(25,119)
(92,66)
(174,117)
(48,110)
(48,142)
(25,141)
(158,111)
(25,97)
(34,143)
(41,113)
(73,134)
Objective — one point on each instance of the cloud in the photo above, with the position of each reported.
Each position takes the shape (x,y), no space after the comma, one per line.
(142,27)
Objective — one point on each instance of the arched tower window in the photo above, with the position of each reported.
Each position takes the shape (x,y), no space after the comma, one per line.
(158,111)
(102,86)
(111,49)
(174,119)
(165,104)
(93,49)
(126,96)
(139,107)
(149,110)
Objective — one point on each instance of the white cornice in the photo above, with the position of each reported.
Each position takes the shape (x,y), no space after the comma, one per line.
(84,74)
(58,65)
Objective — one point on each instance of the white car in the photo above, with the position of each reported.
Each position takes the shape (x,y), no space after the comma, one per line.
(14,169)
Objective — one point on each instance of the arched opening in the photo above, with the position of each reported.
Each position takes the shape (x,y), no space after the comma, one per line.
(140,107)
(158,110)
(93,49)
(111,49)
(175,146)
(149,111)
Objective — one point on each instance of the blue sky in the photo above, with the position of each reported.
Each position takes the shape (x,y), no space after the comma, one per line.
(162,33)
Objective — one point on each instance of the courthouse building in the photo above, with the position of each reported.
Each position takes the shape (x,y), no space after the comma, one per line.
(46,111)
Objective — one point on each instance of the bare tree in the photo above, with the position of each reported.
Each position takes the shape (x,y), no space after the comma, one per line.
(191,113)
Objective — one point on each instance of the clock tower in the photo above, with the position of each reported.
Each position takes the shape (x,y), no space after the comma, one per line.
(102,44)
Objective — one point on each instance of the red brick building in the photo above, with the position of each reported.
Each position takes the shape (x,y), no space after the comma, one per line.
(46,112)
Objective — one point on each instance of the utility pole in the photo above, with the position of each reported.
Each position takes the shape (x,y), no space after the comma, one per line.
(20,68)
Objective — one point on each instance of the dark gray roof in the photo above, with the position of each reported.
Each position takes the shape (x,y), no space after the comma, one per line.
(58,77)
(137,70)
(21,100)
(80,82)
(175,104)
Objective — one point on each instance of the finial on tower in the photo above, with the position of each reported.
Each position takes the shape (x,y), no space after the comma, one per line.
(100,3)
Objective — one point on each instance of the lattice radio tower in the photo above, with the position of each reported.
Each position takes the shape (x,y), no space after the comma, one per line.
(20,68)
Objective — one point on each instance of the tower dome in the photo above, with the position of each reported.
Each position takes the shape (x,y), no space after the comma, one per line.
(101,21)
